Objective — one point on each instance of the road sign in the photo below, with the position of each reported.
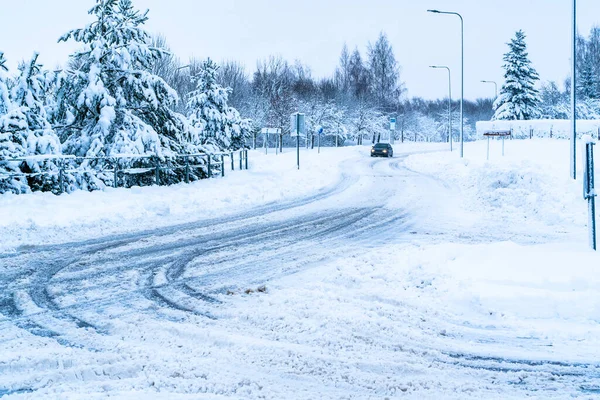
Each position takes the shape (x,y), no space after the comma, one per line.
(297,125)
(392,124)
(320,130)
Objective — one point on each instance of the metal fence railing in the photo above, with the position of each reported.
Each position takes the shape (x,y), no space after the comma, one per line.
(211,164)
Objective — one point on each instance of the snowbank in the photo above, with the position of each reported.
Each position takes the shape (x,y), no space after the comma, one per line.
(527,189)
(47,218)
(541,128)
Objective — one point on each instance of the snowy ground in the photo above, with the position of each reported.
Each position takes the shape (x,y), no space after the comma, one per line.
(423,276)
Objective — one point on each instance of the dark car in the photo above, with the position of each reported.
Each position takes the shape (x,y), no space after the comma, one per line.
(382,150)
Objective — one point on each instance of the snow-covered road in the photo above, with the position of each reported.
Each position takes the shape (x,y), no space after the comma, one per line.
(326,295)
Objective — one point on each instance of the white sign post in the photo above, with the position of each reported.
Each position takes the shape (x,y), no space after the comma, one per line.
(297,128)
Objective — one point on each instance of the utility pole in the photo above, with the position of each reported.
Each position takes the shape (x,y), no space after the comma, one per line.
(573,146)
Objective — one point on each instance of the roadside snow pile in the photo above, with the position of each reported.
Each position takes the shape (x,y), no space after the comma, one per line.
(42,218)
(530,184)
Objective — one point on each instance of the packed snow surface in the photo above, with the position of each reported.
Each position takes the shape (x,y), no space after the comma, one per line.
(422,276)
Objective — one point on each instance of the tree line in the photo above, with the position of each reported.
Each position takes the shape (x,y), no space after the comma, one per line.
(125,93)
(109,101)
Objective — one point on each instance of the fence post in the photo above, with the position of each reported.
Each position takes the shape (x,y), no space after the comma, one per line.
(246,158)
(61,172)
(232,163)
(157,171)
(116,172)
(187,169)
(589,191)
(222,165)
(209,168)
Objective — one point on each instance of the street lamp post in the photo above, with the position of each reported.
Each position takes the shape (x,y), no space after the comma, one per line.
(573,93)
(495,88)
(462,74)
(449,102)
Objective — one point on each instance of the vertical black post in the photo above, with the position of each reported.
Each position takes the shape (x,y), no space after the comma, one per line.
(241,159)
(222,165)
(589,192)
(116,172)
(61,173)
(209,168)
(246,158)
(187,169)
(232,163)
(157,171)
(281,143)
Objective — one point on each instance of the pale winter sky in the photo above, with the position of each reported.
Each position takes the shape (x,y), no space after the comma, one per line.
(314,31)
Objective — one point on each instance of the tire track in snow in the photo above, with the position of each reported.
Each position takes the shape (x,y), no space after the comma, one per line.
(39,290)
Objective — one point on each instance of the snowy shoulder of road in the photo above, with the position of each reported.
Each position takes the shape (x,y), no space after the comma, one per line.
(527,191)
(43,218)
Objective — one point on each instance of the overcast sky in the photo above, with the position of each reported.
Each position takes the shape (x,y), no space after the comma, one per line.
(314,32)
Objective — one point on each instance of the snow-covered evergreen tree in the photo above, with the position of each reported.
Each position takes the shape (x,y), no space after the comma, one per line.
(587,81)
(113,103)
(13,141)
(518,97)
(215,121)
(28,95)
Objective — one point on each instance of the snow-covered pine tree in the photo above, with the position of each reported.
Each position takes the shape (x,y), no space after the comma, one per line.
(13,142)
(28,95)
(518,99)
(216,122)
(587,81)
(113,102)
